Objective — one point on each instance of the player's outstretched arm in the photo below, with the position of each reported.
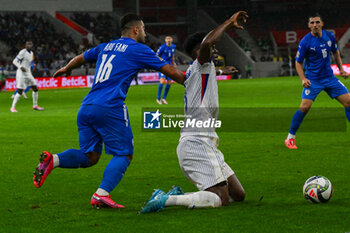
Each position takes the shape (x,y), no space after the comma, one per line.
(215,35)
(339,62)
(227,70)
(173,73)
(72,64)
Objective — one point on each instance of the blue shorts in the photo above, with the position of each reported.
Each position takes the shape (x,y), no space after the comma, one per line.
(111,126)
(161,75)
(332,86)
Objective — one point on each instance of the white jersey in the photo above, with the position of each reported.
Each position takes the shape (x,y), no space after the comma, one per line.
(24,59)
(201,98)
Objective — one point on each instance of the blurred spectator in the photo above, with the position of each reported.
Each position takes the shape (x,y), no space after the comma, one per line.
(248,70)
(2,80)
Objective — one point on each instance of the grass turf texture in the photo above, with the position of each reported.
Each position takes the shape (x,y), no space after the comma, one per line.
(272,175)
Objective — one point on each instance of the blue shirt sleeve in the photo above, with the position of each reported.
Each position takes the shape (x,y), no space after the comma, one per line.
(92,54)
(334,46)
(147,59)
(160,50)
(302,48)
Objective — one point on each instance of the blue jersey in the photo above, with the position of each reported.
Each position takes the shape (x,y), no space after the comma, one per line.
(316,51)
(116,64)
(166,52)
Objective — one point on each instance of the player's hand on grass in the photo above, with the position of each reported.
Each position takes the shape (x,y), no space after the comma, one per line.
(62,72)
(306,83)
(239,16)
(344,74)
(23,69)
(227,70)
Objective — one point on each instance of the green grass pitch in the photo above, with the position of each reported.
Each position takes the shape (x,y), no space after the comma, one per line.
(272,175)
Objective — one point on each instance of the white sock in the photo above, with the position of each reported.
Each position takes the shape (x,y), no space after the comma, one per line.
(290,136)
(56,161)
(35,98)
(102,192)
(200,199)
(15,100)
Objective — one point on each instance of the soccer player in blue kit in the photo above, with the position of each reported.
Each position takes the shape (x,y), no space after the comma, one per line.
(315,48)
(165,51)
(103,116)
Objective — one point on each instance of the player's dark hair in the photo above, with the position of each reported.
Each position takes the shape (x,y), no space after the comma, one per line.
(128,19)
(313,15)
(193,40)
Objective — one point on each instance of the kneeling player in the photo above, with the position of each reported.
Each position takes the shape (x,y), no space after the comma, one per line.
(200,159)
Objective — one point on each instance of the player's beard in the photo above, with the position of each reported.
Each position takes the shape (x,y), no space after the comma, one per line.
(141,39)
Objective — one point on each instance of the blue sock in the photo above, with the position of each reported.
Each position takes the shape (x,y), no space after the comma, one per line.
(347,113)
(296,121)
(166,91)
(160,88)
(114,172)
(27,89)
(14,93)
(73,158)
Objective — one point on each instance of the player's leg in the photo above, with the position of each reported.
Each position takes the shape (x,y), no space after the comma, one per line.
(336,89)
(162,81)
(307,98)
(35,95)
(297,119)
(89,154)
(236,191)
(16,99)
(345,101)
(202,165)
(166,90)
(114,127)
(20,84)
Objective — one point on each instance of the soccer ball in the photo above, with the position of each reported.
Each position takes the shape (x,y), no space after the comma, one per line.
(317,189)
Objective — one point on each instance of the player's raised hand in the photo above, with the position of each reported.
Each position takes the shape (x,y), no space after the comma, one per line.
(228,70)
(306,83)
(344,74)
(62,72)
(239,16)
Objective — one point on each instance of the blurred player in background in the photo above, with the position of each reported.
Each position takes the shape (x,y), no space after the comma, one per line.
(315,48)
(200,159)
(167,52)
(24,76)
(103,117)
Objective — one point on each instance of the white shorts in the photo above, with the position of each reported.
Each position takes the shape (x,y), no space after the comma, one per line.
(24,79)
(201,162)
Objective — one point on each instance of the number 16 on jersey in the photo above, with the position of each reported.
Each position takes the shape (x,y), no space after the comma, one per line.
(105,69)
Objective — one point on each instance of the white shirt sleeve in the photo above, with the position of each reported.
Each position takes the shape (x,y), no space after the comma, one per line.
(18,59)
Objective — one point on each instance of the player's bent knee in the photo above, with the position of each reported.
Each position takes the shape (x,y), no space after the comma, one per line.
(35,88)
(304,109)
(239,196)
(94,157)
(222,192)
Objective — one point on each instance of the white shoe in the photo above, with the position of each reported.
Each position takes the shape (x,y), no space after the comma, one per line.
(24,95)
(163,101)
(159,101)
(13,110)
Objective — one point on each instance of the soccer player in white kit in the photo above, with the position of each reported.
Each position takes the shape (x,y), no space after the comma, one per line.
(200,159)
(24,76)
